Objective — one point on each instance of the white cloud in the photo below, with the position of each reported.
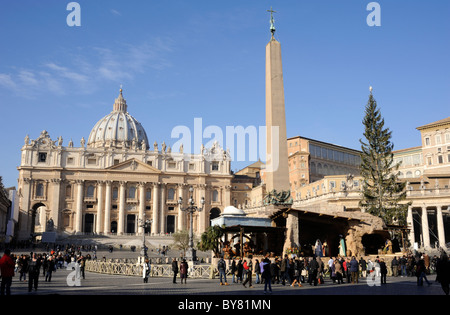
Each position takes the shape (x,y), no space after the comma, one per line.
(87,71)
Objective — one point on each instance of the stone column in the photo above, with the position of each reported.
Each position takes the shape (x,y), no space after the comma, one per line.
(410,225)
(203,215)
(100,204)
(79,206)
(107,221)
(56,197)
(155,209)
(121,219)
(181,221)
(440,227)
(162,210)
(227,196)
(425,228)
(141,207)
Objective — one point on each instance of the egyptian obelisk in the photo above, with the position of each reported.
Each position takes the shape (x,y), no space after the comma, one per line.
(277,169)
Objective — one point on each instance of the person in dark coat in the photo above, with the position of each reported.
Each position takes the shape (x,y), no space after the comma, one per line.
(175,270)
(383,271)
(183,271)
(34,267)
(443,272)
(267,276)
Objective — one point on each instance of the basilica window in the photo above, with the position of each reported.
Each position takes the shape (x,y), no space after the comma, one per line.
(215,196)
(90,191)
(132,192)
(171,194)
(68,191)
(215,166)
(115,193)
(148,194)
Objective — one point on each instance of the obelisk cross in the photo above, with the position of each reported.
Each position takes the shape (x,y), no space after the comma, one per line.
(272,21)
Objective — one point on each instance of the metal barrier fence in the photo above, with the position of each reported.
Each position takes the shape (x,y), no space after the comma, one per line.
(128,269)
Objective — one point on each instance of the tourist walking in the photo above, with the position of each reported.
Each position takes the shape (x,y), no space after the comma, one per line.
(34,267)
(421,272)
(313,267)
(183,271)
(248,270)
(257,271)
(383,271)
(297,271)
(284,270)
(50,268)
(222,267)
(7,266)
(233,271)
(267,276)
(363,265)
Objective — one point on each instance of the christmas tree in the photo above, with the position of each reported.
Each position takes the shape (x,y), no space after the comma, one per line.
(383,193)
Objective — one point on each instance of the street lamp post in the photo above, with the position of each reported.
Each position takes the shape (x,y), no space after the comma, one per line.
(190,209)
(144,223)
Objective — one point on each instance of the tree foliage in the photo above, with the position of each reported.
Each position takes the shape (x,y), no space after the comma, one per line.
(383,193)
(210,240)
(181,240)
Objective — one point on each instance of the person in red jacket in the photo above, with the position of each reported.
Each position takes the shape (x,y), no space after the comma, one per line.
(7,272)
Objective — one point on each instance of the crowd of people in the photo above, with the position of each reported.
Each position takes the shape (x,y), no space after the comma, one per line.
(298,271)
(30,267)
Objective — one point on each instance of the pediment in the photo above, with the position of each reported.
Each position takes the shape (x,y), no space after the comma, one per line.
(134,165)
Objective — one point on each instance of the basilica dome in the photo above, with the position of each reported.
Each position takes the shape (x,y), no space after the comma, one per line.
(118,129)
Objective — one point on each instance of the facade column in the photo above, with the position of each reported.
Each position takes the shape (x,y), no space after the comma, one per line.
(425,228)
(121,220)
(100,203)
(203,214)
(141,208)
(162,213)
(410,225)
(181,221)
(155,209)
(227,198)
(440,227)
(56,197)
(79,206)
(107,221)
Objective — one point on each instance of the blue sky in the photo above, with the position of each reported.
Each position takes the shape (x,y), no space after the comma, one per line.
(185,59)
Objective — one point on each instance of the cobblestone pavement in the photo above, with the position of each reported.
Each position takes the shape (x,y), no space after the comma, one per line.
(99,284)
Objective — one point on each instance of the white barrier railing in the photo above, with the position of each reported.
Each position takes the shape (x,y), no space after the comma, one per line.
(127,269)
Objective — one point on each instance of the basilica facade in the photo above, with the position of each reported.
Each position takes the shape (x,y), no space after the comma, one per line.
(113,182)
